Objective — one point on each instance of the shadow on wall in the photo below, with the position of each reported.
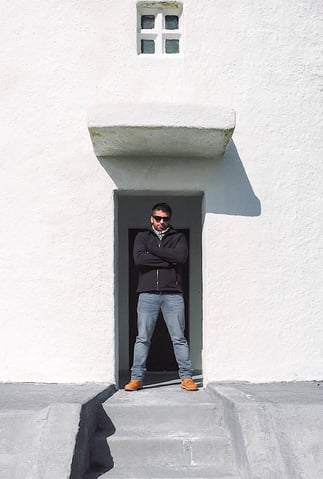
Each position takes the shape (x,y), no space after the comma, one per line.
(224,181)
(232,193)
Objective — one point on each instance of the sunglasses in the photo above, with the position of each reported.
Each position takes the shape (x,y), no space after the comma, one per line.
(159,218)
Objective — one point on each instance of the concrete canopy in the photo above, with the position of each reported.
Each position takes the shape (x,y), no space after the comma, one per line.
(160,130)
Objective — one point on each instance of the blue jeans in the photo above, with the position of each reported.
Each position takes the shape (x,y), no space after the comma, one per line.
(172,307)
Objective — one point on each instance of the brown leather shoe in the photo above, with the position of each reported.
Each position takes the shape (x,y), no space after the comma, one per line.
(189,384)
(134,385)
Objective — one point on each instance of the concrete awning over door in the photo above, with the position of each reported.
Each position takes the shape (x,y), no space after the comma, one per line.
(160,130)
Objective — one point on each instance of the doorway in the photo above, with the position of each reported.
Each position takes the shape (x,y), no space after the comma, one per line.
(132,213)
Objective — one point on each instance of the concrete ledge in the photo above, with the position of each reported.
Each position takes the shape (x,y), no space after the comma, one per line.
(46,428)
(160,130)
(276,429)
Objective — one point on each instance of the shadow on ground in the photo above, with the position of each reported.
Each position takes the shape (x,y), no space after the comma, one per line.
(101,459)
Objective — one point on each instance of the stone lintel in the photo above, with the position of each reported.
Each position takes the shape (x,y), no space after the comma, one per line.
(160,130)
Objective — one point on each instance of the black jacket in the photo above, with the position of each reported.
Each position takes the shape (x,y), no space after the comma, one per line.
(160,261)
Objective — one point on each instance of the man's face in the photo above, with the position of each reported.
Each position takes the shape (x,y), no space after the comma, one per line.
(160,220)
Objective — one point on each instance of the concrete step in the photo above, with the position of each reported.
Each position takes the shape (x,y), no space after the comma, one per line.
(184,450)
(164,419)
(174,433)
(164,472)
(132,412)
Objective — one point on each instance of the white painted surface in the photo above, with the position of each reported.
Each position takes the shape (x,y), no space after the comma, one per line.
(262,231)
(157,113)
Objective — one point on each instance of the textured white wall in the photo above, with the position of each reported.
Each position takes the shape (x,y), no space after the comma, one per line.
(262,234)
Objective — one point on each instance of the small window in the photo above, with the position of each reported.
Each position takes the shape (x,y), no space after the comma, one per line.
(159,28)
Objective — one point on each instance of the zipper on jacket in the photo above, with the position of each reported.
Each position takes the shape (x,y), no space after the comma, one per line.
(157,272)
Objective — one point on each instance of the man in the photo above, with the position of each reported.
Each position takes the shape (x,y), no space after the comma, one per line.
(159,253)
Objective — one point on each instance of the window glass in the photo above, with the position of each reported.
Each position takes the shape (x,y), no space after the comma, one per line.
(147,21)
(172,46)
(147,46)
(171,22)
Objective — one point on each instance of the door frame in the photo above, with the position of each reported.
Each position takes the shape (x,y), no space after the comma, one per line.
(132,210)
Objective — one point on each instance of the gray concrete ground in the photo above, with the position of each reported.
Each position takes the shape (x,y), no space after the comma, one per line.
(44,428)
(276,429)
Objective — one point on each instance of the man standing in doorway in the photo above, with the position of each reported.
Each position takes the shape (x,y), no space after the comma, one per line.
(159,253)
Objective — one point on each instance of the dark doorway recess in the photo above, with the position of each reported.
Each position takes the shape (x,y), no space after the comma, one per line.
(161,355)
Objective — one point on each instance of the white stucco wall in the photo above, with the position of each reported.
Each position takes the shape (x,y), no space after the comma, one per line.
(262,231)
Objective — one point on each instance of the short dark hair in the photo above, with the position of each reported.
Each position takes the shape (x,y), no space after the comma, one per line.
(162,207)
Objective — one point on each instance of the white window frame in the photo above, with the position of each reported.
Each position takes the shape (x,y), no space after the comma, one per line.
(159,34)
